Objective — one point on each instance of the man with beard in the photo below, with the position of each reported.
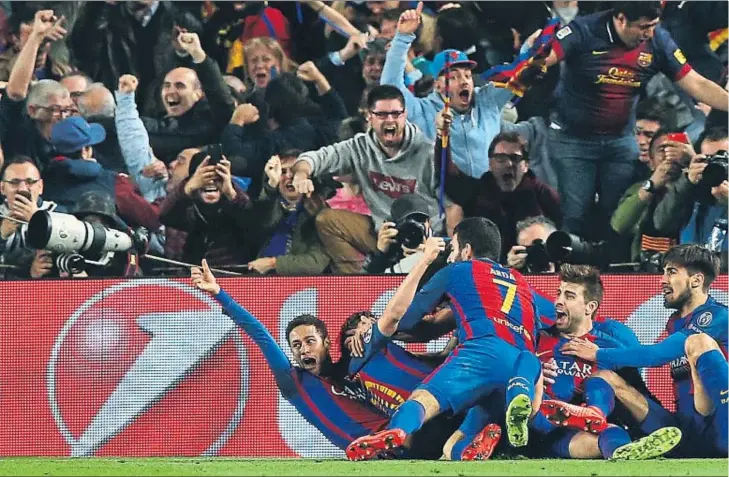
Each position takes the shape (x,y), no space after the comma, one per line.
(497,321)
(212,209)
(508,192)
(583,432)
(696,349)
(478,110)
(388,161)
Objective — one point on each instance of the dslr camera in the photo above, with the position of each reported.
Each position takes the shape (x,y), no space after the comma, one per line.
(716,170)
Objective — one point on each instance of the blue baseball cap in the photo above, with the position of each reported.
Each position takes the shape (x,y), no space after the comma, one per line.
(74,133)
(450,58)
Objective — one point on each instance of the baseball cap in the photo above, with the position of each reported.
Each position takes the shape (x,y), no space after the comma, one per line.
(74,133)
(409,205)
(450,58)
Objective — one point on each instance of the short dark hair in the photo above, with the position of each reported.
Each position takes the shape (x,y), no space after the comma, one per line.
(482,234)
(350,324)
(510,137)
(650,109)
(634,10)
(18,159)
(306,320)
(663,131)
(694,258)
(713,134)
(457,28)
(290,152)
(393,14)
(384,92)
(585,275)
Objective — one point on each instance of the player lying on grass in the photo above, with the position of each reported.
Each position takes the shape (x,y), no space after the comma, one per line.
(696,349)
(583,432)
(316,387)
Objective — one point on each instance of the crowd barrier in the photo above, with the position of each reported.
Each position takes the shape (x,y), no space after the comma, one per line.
(151,367)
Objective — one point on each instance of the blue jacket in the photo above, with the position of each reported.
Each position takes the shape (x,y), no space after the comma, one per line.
(471,133)
(67,179)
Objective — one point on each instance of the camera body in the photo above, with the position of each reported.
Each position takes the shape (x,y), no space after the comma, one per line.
(716,170)
(411,231)
(537,259)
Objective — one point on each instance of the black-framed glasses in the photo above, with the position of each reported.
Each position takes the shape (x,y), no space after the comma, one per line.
(58,110)
(502,158)
(17,182)
(385,114)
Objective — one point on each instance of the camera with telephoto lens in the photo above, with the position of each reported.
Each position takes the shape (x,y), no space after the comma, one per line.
(568,248)
(716,170)
(537,259)
(64,233)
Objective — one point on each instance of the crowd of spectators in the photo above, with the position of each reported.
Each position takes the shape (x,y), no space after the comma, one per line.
(301,138)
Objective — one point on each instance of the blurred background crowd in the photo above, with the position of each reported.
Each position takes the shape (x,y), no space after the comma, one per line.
(306,138)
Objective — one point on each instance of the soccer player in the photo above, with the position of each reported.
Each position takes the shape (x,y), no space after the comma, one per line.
(696,349)
(608,58)
(496,331)
(316,387)
(389,374)
(578,300)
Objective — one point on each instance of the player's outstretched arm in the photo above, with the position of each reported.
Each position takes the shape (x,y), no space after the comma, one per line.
(644,356)
(399,303)
(203,279)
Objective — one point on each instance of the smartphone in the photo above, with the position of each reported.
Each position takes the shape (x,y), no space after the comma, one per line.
(681,137)
(215,151)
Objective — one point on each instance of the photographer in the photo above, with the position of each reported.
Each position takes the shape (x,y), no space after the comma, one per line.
(530,252)
(212,209)
(399,241)
(696,204)
(21,188)
(289,242)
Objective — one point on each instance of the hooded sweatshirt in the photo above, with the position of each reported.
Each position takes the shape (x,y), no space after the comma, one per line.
(383,179)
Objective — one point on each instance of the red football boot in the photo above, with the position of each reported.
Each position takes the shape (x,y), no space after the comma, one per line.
(583,418)
(375,445)
(483,444)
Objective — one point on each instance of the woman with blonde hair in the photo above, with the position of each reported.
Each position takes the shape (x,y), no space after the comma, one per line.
(262,59)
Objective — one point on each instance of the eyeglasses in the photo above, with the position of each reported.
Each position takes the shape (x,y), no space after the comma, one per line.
(17,182)
(385,114)
(502,158)
(58,110)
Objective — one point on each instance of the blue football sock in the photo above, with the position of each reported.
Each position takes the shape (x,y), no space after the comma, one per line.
(610,439)
(527,370)
(600,394)
(460,447)
(713,370)
(409,417)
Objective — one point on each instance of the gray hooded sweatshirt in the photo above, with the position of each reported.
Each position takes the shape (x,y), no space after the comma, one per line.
(383,179)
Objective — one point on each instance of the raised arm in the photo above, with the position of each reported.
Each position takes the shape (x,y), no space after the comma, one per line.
(280,365)
(399,303)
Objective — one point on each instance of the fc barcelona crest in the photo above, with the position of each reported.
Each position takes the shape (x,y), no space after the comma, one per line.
(645,59)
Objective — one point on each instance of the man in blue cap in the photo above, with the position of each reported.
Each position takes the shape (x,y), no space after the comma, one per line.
(74,172)
(477,118)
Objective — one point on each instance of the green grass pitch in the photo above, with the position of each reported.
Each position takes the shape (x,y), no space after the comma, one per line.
(285,467)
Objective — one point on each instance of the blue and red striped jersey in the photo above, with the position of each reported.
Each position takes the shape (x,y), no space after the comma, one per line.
(602,78)
(488,299)
(337,407)
(388,373)
(709,318)
(571,370)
